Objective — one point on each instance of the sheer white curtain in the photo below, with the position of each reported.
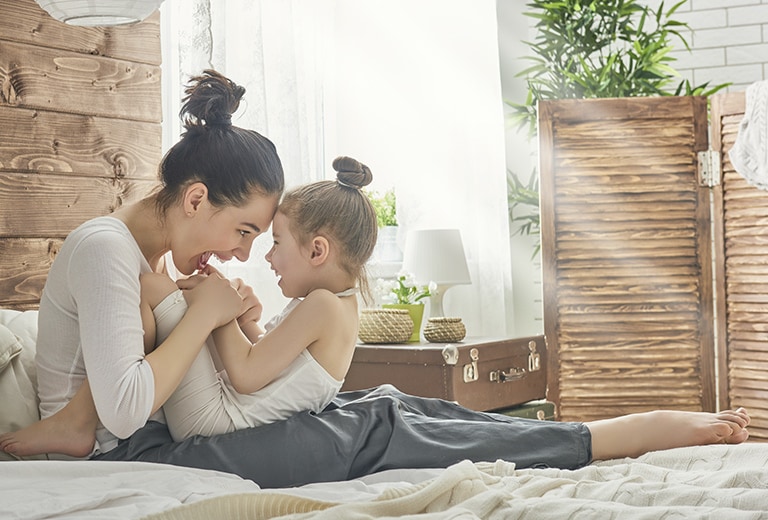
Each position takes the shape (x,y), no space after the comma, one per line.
(409,87)
(270,48)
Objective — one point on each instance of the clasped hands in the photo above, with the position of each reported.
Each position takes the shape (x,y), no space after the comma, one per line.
(229,299)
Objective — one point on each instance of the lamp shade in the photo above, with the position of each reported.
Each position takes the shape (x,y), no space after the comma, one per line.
(99,12)
(436,255)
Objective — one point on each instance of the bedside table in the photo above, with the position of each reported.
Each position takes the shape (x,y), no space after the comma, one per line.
(479,373)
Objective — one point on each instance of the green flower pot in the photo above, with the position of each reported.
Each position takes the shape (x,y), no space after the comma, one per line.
(416,311)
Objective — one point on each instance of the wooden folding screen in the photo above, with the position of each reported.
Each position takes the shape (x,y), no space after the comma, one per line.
(80,133)
(638,313)
(626,252)
(741,274)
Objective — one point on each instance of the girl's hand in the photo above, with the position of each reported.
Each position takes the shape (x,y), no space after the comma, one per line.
(252,307)
(213,295)
(192,281)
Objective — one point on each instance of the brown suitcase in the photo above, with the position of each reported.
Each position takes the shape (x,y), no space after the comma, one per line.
(479,373)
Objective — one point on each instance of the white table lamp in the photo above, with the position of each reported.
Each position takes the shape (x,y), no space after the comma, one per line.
(436,255)
(99,12)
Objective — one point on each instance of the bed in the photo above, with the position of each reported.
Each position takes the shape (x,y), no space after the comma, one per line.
(701,482)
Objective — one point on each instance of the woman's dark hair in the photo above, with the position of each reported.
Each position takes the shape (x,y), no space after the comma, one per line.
(231,161)
(341,212)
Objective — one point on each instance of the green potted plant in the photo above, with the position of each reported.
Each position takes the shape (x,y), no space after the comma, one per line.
(590,49)
(404,293)
(385,205)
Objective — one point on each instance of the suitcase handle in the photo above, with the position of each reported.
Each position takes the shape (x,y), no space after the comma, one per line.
(499,376)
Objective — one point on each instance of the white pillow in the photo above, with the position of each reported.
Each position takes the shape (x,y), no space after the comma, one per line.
(18,380)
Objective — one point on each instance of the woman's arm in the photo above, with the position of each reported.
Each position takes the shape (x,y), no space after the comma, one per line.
(127,385)
(209,303)
(251,309)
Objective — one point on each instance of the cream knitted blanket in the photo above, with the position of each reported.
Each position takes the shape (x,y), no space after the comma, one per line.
(718,482)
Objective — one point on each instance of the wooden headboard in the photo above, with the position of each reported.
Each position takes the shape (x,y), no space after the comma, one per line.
(80,133)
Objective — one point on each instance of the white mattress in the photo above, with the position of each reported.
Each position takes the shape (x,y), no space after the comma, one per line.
(719,482)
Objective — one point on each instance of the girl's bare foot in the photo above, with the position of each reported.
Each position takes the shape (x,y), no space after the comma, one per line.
(635,434)
(51,435)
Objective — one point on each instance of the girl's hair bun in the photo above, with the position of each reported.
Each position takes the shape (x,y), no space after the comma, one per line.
(210,100)
(351,172)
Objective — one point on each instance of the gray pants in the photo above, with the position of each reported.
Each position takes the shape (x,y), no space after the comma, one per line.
(364,432)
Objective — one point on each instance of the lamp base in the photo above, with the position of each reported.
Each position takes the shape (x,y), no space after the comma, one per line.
(436,301)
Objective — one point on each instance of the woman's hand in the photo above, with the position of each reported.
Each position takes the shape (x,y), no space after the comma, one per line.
(213,294)
(251,309)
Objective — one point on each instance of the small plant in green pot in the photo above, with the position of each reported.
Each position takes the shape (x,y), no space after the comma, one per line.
(405,293)
(385,207)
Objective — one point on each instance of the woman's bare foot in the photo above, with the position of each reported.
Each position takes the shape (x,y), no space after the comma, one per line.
(635,434)
(51,435)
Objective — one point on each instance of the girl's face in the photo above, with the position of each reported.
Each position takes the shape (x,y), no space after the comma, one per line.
(289,260)
(226,233)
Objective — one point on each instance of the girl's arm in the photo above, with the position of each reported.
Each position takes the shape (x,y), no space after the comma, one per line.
(250,367)
(251,309)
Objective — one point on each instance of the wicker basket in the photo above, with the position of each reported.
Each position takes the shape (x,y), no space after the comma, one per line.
(385,326)
(444,330)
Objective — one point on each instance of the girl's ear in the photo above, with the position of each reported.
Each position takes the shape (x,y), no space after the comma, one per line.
(319,250)
(195,194)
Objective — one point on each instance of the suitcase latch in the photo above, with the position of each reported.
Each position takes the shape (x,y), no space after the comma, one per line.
(514,373)
(470,369)
(499,376)
(534,360)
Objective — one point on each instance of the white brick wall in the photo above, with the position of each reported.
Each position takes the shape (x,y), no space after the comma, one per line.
(728,40)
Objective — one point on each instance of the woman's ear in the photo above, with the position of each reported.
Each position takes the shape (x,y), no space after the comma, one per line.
(194,195)
(319,250)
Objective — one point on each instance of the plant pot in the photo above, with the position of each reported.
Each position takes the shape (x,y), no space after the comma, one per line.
(416,311)
(387,249)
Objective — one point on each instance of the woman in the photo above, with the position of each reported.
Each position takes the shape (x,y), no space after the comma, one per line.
(323,234)
(220,189)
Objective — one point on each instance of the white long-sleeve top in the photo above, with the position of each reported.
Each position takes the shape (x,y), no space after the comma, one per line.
(89,324)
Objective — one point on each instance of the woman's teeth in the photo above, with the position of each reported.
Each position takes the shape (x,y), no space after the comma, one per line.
(202,261)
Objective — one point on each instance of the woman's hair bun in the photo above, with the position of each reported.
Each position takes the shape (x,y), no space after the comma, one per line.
(351,172)
(210,99)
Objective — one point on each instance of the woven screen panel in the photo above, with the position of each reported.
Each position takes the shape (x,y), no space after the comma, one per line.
(744,248)
(624,221)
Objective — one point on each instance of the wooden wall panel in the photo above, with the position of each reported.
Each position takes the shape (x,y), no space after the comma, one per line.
(24,264)
(80,133)
(26,22)
(741,268)
(51,79)
(53,205)
(627,254)
(45,141)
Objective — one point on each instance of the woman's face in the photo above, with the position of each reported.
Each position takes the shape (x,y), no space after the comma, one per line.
(224,232)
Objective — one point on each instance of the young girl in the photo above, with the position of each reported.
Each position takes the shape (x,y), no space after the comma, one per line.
(323,234)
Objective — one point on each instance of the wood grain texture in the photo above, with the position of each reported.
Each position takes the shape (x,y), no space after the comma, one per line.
(624,223)
(80,134)
(24,21)
(64,81)
(24,265)
(53,205)
(42,141)
(741,275)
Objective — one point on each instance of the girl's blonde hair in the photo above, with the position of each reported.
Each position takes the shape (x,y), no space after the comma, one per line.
(339,211)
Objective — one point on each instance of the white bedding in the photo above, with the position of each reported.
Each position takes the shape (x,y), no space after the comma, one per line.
(718,482)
